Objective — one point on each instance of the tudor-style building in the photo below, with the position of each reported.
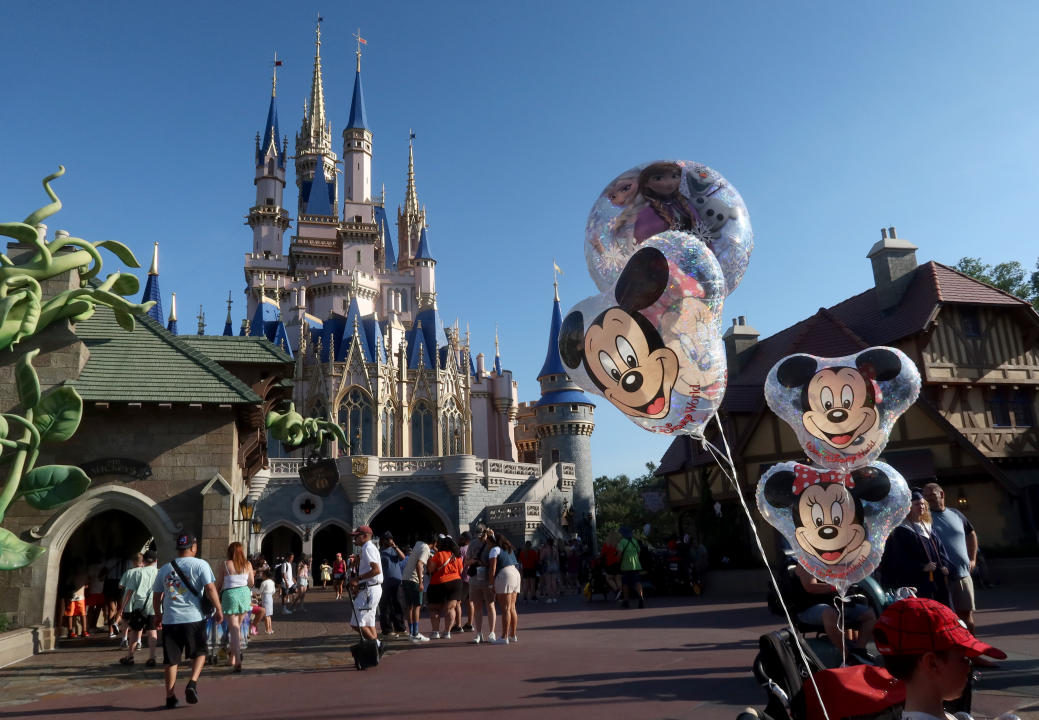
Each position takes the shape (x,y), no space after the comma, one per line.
(972,429)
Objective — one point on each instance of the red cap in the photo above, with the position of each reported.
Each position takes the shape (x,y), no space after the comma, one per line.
(915,626)
(363,530)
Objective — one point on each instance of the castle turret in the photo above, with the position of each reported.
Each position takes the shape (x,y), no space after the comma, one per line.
(357,155)
(267,217)
(171,324)
(411,219)
(565,421)
(425,274)
(314,141)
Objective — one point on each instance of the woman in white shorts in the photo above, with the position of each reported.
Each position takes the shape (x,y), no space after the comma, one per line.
(503,566)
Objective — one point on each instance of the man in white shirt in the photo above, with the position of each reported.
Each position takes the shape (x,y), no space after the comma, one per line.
(288,583)
(412,577)
(366,586)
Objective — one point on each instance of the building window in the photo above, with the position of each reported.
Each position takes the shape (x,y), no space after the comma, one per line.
(573,408)
(358,257)
(389,430)
(357,219)
(355,417)
(1011,408)
(971,322)
(555,455)
(268,201)
(422,431)
(451,430)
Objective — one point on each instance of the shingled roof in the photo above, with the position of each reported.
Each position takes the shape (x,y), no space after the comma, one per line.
(150,365)
(242,349)
(843,329)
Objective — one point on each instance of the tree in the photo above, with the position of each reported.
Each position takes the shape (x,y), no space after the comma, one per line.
(619,501)
(1010,277)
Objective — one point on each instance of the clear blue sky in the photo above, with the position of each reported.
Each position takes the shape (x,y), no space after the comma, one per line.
(832,119)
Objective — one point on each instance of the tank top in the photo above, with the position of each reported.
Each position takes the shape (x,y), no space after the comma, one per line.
(232,581)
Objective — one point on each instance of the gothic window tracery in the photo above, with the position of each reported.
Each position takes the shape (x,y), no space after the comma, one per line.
(451,430)
(422,430)
(356,417)
(389,431)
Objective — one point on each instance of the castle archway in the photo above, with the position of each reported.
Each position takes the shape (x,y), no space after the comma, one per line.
(279,542)
(331,539)
(410,518)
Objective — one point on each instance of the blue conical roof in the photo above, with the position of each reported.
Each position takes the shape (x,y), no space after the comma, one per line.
(423,247)
(228,330)
(353,317)
(151,292)
(319,199)
(270,136)
(387,238)
(553,362)
(358,116)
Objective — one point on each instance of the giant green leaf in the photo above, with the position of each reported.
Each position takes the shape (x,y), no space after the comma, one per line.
(27,381)
(58,414)
(126,284)
(49,486)
(120,251)
(15,553)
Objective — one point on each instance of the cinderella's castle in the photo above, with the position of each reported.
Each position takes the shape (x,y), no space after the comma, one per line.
(436,439)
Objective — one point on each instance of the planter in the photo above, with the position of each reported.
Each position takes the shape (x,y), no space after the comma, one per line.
(17,645)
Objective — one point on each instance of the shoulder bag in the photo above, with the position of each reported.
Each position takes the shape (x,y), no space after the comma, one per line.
(205,604)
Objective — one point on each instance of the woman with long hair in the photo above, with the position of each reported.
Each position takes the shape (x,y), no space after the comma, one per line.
(481,589)
(236,597)
(339,575)
(504,568)
(445,586)
(915,556)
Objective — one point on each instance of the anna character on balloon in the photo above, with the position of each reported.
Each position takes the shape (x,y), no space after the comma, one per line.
(666,208)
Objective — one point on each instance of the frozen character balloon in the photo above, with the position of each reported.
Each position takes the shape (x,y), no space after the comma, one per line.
(842,409)
(652,344)
(836,523)
(675,195)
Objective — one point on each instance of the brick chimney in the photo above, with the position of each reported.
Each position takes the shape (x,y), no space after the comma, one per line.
(738,339)
(894,261)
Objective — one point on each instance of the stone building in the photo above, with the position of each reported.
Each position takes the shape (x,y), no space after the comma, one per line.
(972,429)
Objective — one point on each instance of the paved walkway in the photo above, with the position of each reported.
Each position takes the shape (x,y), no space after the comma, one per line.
(679,658)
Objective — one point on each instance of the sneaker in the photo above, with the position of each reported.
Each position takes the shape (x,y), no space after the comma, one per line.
(468,627)
(172,702)
(114,634)
(86,634)
(477,639)
(126,661)
(500,641)
(71,636)
(191,692)
(286,611)
(138,644)
(447,635)
(513,639)
(435,635)
(491,637)
(125,644)
(419,638)
(150,663)
(456,629)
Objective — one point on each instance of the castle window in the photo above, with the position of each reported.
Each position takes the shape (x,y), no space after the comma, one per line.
(451,430)
(1011,408)
(356,419)
(358,256)
(357,219)
(389,429)
(971,322)
(573,408)
(422,431)
(1021,404)
(268,201)
(555,455)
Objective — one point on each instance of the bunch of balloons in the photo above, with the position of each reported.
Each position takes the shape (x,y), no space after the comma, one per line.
(838,511)
(665,242)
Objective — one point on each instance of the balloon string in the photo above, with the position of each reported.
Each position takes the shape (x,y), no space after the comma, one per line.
(839,603)
(729,470)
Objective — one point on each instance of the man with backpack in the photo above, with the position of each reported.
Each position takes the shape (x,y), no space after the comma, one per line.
(283,576)
(631,568)
(177,602)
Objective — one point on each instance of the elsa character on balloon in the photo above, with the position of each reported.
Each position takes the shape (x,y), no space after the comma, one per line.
(665,207)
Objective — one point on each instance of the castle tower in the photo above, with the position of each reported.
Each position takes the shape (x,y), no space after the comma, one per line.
(565,420)
(357,155)
(314,140)
(425,274)
(411,220)
(267,217)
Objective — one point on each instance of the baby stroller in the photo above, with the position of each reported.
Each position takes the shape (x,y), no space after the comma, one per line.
(597,584)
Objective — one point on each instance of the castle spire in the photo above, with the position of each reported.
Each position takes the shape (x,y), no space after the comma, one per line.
(358,116)
(171,324)
(228,329)
(201,321)
(411,198)
(315,135)
(268,142)
(151,288)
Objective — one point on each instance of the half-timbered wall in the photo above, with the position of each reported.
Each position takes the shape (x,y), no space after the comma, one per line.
(972,344)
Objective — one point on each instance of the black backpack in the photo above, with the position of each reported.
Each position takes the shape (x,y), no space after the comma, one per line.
(780,669)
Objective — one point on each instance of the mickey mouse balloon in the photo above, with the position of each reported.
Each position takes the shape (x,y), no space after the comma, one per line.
(651,344)
(667,195)
(836,523)
(842,409)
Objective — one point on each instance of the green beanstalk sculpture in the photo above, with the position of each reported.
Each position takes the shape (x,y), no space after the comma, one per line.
(293,430)
(51,416)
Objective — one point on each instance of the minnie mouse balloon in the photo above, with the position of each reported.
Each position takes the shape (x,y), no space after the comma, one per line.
(842,409)
(836,523)
(667,195)
(652,345)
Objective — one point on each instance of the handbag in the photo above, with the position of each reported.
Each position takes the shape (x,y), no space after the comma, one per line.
(205,604)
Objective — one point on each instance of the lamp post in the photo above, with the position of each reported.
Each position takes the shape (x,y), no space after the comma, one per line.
(247,508)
